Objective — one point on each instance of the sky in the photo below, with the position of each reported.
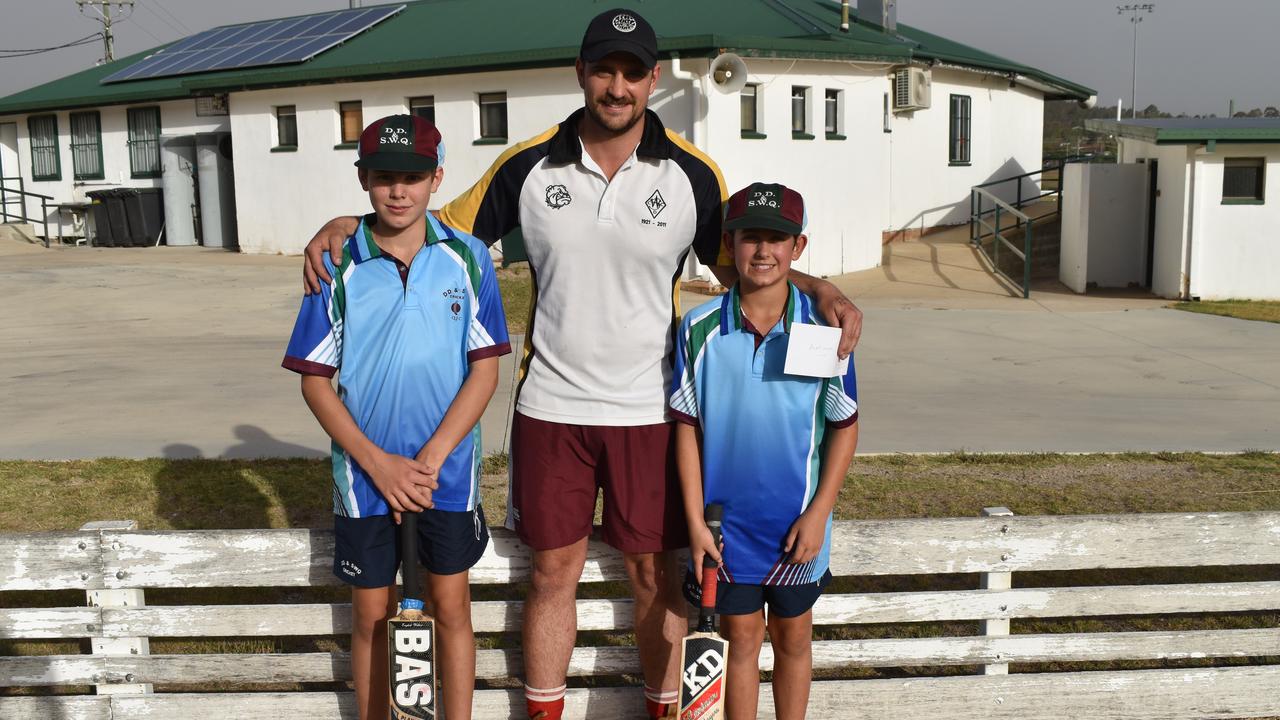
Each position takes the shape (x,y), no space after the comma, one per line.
(1194,56)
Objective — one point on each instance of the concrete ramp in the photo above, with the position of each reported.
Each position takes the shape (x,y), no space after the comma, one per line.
(18,231)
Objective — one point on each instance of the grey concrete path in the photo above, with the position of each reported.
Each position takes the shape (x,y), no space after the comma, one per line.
(175,352)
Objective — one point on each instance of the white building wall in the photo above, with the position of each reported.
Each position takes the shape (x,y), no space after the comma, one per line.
(177,117)
(1173,182)
(282,198)
(1235,249)
(1007,130)
(841,180)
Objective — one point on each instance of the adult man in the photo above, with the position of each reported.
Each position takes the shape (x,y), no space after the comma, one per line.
(609,203)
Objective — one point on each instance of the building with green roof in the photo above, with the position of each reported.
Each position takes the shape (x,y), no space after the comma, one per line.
(1210,223)
(884,127)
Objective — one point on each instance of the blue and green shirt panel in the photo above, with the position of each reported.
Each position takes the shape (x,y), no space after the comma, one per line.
(400,338)
(762,431)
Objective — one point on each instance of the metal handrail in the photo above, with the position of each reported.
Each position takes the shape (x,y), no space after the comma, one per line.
(23,194)
(998,238)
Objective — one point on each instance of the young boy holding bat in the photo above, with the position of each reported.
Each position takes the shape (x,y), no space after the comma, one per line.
(772,448)
(413,326)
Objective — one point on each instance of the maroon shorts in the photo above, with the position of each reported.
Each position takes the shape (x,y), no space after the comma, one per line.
(557,469)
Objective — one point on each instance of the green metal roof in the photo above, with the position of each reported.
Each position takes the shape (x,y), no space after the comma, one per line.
(434,37)
(1175,131)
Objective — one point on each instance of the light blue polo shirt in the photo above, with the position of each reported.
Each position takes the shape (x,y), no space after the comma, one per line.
(762,432)
(401,340)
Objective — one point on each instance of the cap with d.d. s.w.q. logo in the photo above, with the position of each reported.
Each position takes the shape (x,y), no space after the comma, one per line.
(400,143)
(766,205)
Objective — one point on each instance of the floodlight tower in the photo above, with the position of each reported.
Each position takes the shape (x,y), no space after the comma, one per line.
(110,10)
(1135,12)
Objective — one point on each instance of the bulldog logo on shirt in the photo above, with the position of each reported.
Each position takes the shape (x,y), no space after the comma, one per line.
(558,196)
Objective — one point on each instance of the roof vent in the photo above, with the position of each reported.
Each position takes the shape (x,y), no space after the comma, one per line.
(880,13)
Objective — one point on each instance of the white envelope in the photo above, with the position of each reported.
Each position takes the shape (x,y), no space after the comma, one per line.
(811,351)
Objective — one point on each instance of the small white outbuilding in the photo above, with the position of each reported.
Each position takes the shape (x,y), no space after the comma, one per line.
(1209,218)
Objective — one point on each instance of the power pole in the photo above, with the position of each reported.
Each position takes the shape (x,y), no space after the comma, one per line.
(1135,16)
(110,10)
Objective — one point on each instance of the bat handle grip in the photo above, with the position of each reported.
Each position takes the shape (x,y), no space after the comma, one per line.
(409,560)
(710,569)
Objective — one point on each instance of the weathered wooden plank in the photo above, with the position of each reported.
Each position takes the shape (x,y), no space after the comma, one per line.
(1011,544)
(604,614)
(1238,692)
(49,561)
(35,623)
(261,668)
(873,547)
(218,558)
(1095,601)
(73,707)
(315,619)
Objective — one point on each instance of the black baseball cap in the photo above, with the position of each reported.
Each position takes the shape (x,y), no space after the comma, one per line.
(400,143)
(620,30)
(766,205)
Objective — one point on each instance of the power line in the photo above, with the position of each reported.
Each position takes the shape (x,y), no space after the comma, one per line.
(181,31)
(36,51)
(181,25)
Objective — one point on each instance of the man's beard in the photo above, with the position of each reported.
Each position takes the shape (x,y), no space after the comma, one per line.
(614,125)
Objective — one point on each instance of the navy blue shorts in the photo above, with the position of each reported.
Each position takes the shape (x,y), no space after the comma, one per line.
(366,550)
(740,599)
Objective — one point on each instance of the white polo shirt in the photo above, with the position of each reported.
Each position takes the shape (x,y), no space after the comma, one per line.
(606,258)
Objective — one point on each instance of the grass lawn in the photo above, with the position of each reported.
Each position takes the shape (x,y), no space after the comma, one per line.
(1265,310)
(207,494)
(516,285)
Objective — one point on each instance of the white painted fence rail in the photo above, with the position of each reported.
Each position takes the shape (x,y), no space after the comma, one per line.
(115,565)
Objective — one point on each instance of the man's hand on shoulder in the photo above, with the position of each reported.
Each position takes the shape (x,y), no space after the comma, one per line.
(330,240)
(839,311)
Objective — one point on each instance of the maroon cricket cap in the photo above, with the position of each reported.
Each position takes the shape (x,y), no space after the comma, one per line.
(400,143)
(766,205)
(620,30)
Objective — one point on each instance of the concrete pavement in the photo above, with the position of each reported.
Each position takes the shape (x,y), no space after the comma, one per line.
(175,352)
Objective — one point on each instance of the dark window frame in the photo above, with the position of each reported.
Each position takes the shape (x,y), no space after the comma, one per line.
(800,94)
(283,112)
(423,102)
(492,99)
(87,151)
(1231,181)
(832,105)
(349,134)
(750,95)
(45,149)
(960,134)
(144,152)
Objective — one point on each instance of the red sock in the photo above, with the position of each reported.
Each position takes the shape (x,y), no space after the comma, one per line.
(655,709)
(545,704)
(659,704)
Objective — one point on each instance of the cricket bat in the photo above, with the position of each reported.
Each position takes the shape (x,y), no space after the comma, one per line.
(411,638)
(703,654)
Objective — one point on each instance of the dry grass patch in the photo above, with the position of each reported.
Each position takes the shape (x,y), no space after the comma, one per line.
(1264,310)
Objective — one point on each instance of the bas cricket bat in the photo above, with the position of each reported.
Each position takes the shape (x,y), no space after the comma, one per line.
(704,653)
(411,638)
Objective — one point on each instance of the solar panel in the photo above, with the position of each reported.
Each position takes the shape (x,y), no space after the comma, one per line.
(270,42)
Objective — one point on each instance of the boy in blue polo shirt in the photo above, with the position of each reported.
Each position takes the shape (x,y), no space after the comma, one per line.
(413,323)
(772,448)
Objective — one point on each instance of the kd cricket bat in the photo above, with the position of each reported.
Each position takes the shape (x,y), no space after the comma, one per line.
(704,653)
(411,638)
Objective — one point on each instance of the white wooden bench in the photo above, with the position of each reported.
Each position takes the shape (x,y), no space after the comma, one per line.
(115,564)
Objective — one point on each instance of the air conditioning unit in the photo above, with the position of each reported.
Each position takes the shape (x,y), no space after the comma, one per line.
(911,89)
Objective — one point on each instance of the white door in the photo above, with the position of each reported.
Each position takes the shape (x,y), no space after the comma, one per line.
(9,150)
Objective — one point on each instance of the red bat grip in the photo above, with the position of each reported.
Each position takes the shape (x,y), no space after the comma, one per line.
(710,572)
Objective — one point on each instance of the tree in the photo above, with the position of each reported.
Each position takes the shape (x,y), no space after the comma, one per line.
(1271,111)
(1151,111)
